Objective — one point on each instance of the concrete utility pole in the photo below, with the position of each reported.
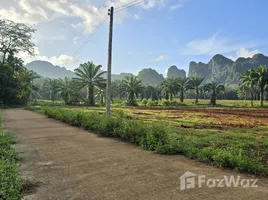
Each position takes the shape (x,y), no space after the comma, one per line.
(109,67)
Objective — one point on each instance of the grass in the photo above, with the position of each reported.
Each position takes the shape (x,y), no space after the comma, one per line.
(10,183)
(227,138)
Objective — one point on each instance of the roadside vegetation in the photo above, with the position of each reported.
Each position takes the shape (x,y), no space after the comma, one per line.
(10,182)
(237,146)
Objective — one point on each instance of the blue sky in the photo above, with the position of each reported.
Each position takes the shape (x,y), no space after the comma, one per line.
(156,33)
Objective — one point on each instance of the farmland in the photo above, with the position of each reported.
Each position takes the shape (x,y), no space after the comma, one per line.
(225,136)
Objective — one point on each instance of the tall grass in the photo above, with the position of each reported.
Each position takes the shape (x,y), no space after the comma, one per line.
(10,183)
(241,152)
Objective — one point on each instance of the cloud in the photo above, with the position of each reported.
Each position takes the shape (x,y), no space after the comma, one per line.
(75,40)
(245,53)
(88,14)
(55,60)
(160,58)
(137,17)
(175,7)
(214,45)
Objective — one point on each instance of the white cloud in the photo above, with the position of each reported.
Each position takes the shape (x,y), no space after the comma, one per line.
(214,45)
(137,17)
(87,13)
(75,40)
(245,53)
(175,7)
(160,58)
(55,60)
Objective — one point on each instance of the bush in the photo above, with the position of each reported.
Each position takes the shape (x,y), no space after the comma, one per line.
(152,103)
(144,102)
(10,183)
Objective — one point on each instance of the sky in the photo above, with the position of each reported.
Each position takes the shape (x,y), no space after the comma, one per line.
(153,34)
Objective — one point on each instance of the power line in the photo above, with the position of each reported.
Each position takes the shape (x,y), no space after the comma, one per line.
(86,40)
(129,6)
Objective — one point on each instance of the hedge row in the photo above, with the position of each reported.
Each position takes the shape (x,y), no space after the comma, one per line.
(213,149)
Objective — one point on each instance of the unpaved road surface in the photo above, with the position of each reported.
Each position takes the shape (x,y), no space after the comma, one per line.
(71,163)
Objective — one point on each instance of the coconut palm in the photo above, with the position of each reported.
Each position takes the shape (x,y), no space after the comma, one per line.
(182,85)
(248,78)
(89,77)
(132,87)
(213,88)
(195,84)
(261,73)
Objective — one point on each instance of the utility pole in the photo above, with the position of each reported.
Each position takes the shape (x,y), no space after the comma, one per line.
(109,67)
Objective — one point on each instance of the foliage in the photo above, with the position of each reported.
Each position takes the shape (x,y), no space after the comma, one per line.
(195,84)
(15,37)
(132,87)
(10,183)
(89,77)
(213,88)
(15,84)
(182,85)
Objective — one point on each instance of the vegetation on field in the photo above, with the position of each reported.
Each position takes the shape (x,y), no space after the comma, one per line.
(195,133)
(10,183)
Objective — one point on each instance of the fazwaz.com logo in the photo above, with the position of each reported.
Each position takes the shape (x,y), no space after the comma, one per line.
(190,180)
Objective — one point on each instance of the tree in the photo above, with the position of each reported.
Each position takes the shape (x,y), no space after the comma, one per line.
(50,87)
(261,77)
(31,75)
(169,88)
(213,88)
(14,82)
(89,77)
(182,85)
(195,84)
(65,89)
(132,87)
(15,37)
(248,78)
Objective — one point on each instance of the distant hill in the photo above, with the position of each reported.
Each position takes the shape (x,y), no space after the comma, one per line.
(48,70)
(173,71)
(224,70)
(150,76)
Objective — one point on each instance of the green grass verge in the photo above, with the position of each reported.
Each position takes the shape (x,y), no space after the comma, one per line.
(10,183)
(241,152)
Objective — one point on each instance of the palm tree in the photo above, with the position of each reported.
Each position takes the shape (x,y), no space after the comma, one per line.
(182,85)
(248,78)
(31,76)
(89,77)
(65,89)
(101,95)
(132,87)
(50,87)
(214,88)
(195,84)
(169,88)
(261,79)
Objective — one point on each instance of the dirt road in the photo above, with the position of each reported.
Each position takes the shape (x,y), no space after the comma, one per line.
(71,163)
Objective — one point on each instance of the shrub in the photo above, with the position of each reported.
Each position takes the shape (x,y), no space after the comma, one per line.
(144,102)
(152,103)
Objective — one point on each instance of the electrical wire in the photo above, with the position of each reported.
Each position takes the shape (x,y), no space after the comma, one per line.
(129,6)
(88,38)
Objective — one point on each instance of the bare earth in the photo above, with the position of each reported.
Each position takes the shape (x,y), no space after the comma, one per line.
(71,163)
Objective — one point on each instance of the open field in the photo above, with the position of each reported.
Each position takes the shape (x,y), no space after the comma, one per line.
(234,138)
